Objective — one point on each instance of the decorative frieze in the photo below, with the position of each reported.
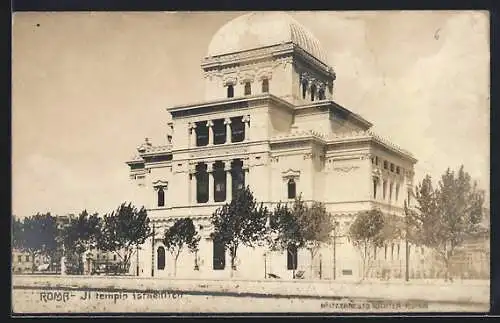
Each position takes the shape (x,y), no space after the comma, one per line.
(227,58)
(345,169)
(218,152)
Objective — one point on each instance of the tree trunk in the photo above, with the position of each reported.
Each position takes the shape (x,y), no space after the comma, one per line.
(233,267)
(233,260)
(311,269)
(447,270)
(33,265)
(175,263)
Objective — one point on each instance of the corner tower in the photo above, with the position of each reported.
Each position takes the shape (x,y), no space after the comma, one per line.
(267,52)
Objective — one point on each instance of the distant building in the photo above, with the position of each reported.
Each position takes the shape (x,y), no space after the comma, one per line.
(22,262)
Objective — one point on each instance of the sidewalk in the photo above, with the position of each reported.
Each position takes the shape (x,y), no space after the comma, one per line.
(431,291)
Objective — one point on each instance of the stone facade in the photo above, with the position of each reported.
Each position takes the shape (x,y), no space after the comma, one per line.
(269,120)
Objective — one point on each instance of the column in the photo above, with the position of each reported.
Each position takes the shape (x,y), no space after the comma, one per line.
(192,134)
(210,132)
(227,122)
(246,121)
(229,181)
(245,168)
(210,182)
(192,184)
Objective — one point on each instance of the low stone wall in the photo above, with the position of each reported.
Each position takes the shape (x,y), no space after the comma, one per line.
(460,292)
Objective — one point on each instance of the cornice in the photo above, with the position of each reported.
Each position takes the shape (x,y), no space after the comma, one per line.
(230,103)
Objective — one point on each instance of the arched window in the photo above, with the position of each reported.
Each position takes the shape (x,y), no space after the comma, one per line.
(321,94)
(313,92)
(291,257)
(219,255)
(292,191)
(248,88)
(161,258)
(230,91)
(161,197)
(265,86)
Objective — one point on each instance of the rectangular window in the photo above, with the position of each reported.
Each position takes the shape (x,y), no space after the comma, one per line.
(397,192)
(202,187)
(374,188)
(386,164)
(20,258)
(390,192)
(376,160)
(238,179)
(201,133)
(219,129)
(220,185)
(219,255)
(392,167)
(398,170)
(291,259)
(384,189)
(237,129)
(27,258)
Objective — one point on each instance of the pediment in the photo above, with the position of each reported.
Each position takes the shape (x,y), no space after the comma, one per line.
(160,183)
(290,173)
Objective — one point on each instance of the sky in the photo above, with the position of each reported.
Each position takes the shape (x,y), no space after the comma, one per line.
(88,87)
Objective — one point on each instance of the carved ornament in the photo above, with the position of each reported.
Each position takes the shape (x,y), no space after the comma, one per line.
(290,174)
(345,169)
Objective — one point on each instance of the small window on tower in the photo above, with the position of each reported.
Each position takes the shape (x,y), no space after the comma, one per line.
(230,91)
(265,86)
(321,94)
(248,88)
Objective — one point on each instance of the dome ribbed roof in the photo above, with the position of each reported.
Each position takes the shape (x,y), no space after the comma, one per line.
(261,29)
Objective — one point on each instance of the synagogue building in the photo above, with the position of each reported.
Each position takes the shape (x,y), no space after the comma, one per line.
(269,120)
